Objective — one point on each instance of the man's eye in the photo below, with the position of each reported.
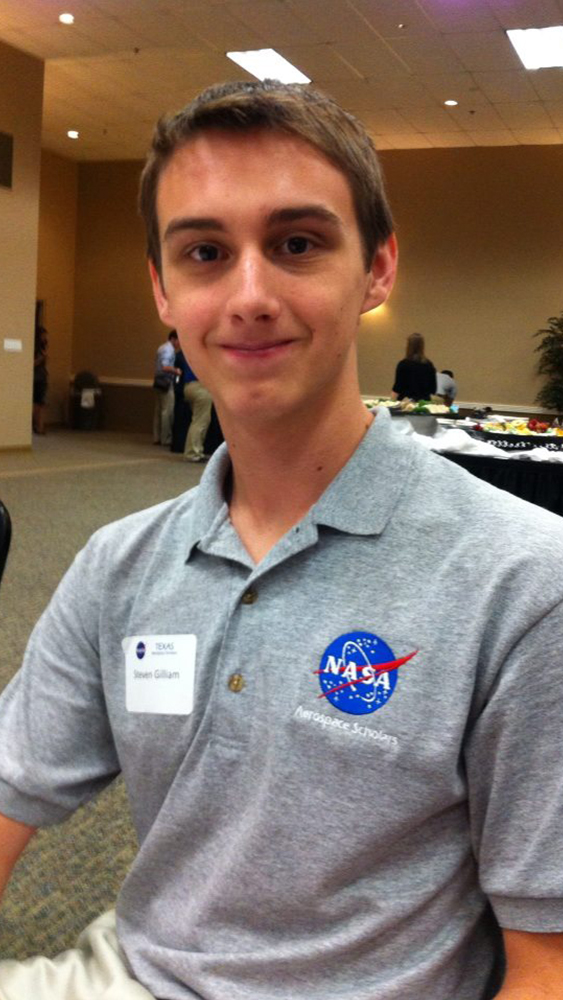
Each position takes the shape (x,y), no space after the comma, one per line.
(205,252)
(297,244)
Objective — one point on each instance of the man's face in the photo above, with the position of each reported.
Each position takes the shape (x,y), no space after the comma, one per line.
(262,272)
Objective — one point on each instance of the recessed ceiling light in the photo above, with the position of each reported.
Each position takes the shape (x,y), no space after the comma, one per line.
(538,48)
(402,26)
(73,134)
(267,64)
(66,18)
(451,104)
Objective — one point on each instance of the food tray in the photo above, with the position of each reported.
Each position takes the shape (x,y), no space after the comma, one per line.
(520,442)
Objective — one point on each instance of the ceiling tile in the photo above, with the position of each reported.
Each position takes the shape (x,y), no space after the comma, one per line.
(538,137)
(385,17)
(526,13)
(449,139)
(547,83)
(524,116)
(505,86)
(402,91)
(46,11)
(408,140)
(426,54)
(370,57)
(461,87)
(218,28)
(334,22)
(555,111)
(485,50)
(484,117)
(156,29)
(49,42)
(318,62)
(274,21)
(452,17)
(432,120)
(381,122)
(502,137)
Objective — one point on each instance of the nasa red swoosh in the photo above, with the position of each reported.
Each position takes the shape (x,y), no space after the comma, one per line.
(379,668)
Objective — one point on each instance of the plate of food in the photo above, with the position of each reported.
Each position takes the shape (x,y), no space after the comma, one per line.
(390,404)
(520,434)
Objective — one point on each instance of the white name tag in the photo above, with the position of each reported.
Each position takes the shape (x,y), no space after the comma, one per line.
(160,673)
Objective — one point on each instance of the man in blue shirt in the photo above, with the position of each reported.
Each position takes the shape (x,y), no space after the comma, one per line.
(165,369)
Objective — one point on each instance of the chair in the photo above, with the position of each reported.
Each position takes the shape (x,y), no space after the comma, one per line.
(5,536)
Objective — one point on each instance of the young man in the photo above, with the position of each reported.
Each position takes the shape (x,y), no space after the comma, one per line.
(343,772)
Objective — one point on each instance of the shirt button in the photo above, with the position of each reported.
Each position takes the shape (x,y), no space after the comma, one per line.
(236,683)
(250,596)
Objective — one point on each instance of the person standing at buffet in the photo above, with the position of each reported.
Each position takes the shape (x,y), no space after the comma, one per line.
(415,375)
(446,386)
(345,775)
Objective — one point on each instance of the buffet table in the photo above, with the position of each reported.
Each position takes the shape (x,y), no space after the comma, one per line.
(539,482)
(535,475)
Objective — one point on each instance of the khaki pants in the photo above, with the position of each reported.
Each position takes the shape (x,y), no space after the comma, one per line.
(94,970)
(163,416)
(200,402)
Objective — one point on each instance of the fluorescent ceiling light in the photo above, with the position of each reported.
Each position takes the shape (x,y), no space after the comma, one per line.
(66,18)
(267,64)
(538,48)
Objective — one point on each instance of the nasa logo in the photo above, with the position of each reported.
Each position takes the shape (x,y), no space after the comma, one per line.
(358,673)
(140,650)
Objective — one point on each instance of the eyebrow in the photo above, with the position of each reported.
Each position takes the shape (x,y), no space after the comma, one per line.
(294,214)
(196,222)
(305,212)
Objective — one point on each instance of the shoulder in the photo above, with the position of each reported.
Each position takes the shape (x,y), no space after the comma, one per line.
(155,531)
(489,522)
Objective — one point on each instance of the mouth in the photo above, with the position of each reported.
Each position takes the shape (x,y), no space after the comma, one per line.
(257,350)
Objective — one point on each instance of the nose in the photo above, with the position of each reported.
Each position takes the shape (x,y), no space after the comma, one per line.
(255,295)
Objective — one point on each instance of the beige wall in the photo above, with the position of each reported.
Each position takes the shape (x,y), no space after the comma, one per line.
(481,267)
(21,93)
(55,273)
(116,329)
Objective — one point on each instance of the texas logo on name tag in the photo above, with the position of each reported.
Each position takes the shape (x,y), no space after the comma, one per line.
(159,673)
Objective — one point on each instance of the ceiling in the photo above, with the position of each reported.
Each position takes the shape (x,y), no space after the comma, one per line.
(125,62)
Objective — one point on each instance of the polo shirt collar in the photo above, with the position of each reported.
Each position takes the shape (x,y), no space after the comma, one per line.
(359,501)
(362,497)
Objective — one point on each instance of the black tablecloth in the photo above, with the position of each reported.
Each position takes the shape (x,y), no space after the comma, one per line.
(539,482)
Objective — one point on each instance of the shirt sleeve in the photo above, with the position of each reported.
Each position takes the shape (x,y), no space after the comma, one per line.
(56,744)
(514,756)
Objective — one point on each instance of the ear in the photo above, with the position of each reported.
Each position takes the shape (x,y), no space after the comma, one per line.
(160,295)
(381,277)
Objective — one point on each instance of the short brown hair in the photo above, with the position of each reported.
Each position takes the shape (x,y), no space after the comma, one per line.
(290,108)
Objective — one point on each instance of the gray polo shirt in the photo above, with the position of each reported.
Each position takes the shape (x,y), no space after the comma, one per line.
(344,764)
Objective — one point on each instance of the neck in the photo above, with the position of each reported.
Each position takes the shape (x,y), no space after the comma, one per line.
(281,468)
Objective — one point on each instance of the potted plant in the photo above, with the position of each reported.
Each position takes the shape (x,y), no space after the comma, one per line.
(550,349)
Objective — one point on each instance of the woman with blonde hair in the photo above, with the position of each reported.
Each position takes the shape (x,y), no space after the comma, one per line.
(415,376)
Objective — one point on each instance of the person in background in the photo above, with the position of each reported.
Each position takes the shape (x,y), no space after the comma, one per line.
(40,380)
(200,403)
(446,386)
(164,398)
(415,376)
